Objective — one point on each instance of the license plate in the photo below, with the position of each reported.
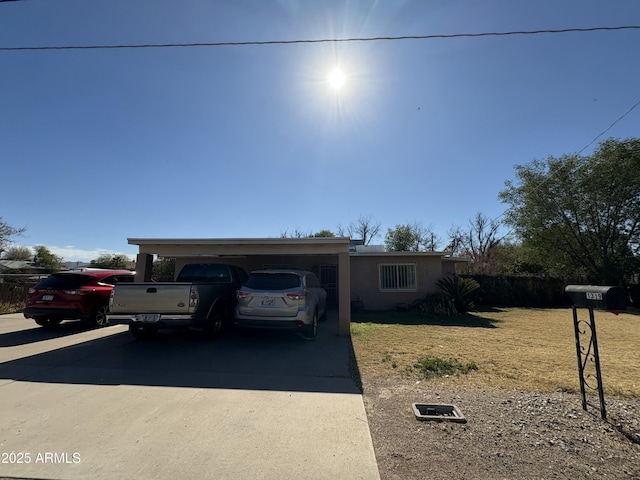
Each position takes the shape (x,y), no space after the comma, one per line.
(47,298)
(266,301)
(148,317)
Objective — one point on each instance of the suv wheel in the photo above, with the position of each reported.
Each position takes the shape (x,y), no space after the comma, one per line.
(143,333)
(99,317)
(310,332)
(48,322)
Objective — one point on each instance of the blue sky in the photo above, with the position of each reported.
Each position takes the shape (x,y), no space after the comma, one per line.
(251,141)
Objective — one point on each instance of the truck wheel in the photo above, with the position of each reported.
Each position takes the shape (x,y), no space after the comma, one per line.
(215,324)
(143,333)
(98,318)
(48,322)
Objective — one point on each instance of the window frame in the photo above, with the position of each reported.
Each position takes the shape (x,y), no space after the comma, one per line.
(399,269)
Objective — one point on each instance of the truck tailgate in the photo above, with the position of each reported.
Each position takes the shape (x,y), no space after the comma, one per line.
(165,298)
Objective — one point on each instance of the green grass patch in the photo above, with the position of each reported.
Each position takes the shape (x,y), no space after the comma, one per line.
(437,367)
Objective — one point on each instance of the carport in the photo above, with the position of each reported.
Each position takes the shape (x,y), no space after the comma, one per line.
(255,253)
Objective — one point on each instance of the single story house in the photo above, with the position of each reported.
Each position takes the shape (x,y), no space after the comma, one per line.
(18,267)
(365,275)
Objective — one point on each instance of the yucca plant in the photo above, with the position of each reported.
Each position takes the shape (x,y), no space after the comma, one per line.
(439,304)
(459,290)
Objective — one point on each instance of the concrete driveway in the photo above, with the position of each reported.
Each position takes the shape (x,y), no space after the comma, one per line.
(79,404)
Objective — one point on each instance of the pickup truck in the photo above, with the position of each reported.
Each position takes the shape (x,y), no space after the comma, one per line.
(203,297)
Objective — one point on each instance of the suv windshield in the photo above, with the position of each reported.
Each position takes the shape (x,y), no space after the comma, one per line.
(65,281)
(273,281)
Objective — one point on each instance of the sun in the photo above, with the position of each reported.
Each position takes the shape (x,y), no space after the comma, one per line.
(337,79)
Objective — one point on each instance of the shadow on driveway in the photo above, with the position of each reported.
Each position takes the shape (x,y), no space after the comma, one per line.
(255,360)
(38,334)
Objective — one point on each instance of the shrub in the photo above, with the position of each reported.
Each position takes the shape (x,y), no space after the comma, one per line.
(435,304)
(16,307)
(459,289)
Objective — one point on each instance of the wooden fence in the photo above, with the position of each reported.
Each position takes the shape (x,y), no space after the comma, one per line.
(15,288)
(14,292)
(518,291)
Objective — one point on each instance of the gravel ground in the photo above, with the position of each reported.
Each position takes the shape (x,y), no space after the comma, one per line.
(509,434)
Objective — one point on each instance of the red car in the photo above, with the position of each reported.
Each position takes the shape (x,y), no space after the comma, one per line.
(74,295)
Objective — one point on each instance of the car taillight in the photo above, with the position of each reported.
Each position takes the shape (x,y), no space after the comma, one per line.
(241,294)
(77,291)
(193,298)
(299,296)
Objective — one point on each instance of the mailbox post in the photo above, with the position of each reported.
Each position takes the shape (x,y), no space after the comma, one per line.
(613,299)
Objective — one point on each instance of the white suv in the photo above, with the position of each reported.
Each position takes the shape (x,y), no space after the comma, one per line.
(283,299)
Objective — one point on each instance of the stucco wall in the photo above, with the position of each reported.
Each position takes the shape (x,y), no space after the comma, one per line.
(364,273)
(365,286)
(448,267)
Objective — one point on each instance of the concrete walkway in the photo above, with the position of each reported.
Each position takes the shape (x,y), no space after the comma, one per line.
(82,404)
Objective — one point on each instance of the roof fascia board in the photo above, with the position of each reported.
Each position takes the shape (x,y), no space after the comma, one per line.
(254,246)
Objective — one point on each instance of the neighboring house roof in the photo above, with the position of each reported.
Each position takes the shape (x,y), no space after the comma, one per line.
(379,251)
(15,265)
(73,265)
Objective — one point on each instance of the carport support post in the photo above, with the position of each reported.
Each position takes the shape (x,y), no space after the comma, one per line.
(344,294)
(144,264)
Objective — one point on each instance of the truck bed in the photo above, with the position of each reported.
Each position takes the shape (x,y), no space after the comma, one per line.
(165,298)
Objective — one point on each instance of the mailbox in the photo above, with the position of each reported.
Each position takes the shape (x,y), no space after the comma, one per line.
(595,296)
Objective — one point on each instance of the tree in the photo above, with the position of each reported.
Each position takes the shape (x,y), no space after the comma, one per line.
(324,234)
(364,228)
(112,260)
(46,260)
(580,215)
(480,242)
(411,238)
(297,233)
(18,253)
(515,259)
(164,269)
(402,238)
(6,232)
(429,239)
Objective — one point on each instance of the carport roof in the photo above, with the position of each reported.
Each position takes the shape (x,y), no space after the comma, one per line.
(241,246)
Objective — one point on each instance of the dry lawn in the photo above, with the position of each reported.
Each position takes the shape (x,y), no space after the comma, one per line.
(526,349)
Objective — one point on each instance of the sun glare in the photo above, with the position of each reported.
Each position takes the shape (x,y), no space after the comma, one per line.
(336,79)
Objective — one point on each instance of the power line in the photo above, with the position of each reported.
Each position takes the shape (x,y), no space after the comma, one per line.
(326,40)
(609,127)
